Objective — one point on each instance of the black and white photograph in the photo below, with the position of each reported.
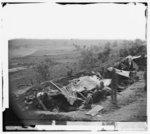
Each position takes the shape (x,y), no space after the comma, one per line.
(74,64)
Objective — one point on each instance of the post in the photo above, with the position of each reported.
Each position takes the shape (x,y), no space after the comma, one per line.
(114,86)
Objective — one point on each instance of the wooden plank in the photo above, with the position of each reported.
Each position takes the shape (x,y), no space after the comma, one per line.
(94,111)
(120,72)
(82,95)
(66,93)
(56,86)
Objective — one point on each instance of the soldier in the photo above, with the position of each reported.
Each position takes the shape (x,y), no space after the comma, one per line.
(114,86)
(45,100)
(88,102)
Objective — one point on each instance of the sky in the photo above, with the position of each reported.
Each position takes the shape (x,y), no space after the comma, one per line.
(53,21)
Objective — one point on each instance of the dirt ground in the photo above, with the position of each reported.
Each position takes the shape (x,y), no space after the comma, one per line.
(131,107)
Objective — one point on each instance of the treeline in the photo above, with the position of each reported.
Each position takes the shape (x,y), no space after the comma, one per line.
(138,47)
(108,55)
(93,58)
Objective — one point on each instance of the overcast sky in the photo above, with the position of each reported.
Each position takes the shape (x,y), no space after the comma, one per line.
(97,21)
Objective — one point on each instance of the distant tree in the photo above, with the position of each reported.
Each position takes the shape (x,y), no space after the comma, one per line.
(136,47)
(115,44)
(84,46)
(123,52)
(87,60)
(76,46)
(70,73)
(43,69)
(107,49)
(103,56)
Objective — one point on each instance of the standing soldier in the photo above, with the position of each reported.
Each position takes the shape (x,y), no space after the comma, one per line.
(114,86)
(145,78)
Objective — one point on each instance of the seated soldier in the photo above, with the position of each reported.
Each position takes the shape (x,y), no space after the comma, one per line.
(98,92)
(88,102)
(45,100)
(96,95)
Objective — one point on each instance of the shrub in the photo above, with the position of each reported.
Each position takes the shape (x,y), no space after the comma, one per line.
(103,56)
(137,47)
(88,59)
(43,69)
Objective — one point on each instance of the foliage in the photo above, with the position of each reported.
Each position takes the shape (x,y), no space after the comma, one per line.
(123,52)
(87,60)
(103,56)
(98,56)
(138,47)
(70,73)
(78,48)
(43,69)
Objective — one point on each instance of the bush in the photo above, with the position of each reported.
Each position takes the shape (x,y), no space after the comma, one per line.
(123,52)
(88,59)
(103,56)
(43,70)
(137,47)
